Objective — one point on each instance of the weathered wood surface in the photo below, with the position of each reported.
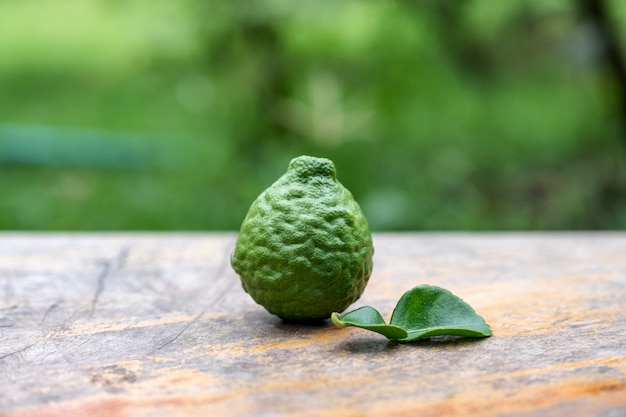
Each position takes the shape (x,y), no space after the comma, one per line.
(158,325)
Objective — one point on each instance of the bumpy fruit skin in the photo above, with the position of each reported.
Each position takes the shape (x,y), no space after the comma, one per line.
(305,249)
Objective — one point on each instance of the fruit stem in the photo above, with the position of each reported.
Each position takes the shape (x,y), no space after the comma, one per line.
(337,321)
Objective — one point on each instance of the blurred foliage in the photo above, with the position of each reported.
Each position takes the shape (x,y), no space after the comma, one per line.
(439,115)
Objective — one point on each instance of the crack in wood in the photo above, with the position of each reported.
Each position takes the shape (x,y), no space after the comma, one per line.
(172,340)
(106,267)
(48,311)
(17,351)
(51,336)
(83,343)
(221,269)
(109,267)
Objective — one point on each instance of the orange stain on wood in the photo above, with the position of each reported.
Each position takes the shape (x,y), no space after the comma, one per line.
(322,337)
(476,400)
(487,403)
(618,364)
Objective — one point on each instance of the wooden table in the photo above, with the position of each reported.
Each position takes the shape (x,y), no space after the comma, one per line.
(158,325)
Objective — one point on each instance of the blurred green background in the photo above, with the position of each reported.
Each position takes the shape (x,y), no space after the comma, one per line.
(439,115)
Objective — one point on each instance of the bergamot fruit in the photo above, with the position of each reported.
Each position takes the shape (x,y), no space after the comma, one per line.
(305,249)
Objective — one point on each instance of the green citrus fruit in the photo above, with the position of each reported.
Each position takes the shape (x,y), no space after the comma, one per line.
(304,249)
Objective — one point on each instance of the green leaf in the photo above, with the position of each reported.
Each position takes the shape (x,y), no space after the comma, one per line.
(424,311)
(427,311)
(370,319)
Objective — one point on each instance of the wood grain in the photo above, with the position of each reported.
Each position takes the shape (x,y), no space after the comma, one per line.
(158,325)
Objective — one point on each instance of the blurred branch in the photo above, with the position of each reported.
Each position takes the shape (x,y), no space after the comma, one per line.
(449,21)
(251,48)
(596,12)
